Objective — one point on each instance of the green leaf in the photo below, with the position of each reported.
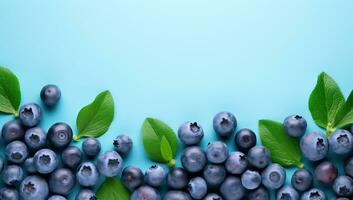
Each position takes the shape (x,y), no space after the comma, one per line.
(94,119)
(159,141)
(10,93)
(344,116)
(284,149)
(325,101)
(112,189)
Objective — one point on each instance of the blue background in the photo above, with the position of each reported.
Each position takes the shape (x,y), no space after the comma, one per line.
(177,60)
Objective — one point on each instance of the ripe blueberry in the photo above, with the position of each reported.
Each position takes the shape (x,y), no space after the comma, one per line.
(214,175)
(86,194)
(302,180)
(245,139)
(132,177)
(260,193)
(259,157)
(313,194)
(197,187)
(30,114)
(193,159)
(8,193)
(295,125)
(57,197)
(341,142)
(34,187)
(12,175)
(314,146)
(12,130)
(155,175)
(236,163)
(326,172)
(145,192)
(224,123)
(123,144)
(50,95)
(35,138)
(71,157)
(110,163)
(16,152)
(217,152)
(273,176)
(61,181)
(251,179)
(343,186)
(190,133)
(45,161)
(232,189)
(176,195)
(287,193)
(59,135)
(177,178)
(87,174)
(91,146)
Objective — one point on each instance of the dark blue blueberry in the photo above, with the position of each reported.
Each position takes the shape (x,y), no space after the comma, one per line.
(35,138)
(30,114)
(57,197)
(214,175)
(12,130)
(287,193)
(123,144)
(45,161)
(177,178)
(132,177)
(251,179)
(61,181)
(176,195)
(259,157)
(217,152)
(224,123)
(314,146)
(7,193)
(245,139)
(193,159)
(313,194)
(302,180)
(197,187)
(190,133)
(295,125)
(236,163)
(85,194)
(16,152)
(145,192)
(155,175)
(341,142)
(59,135)
(213,196)
(260,193)
(29,165)
(71,157)
(343,186)
(50,94)
(87,174)
(91,146)
(232,189)
(110,163)
(273,176)
(34,187)
(12,175)
(326,172)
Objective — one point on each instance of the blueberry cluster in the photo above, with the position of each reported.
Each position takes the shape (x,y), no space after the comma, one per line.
(40,165)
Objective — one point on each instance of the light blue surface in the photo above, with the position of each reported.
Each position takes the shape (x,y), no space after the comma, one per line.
(177,60)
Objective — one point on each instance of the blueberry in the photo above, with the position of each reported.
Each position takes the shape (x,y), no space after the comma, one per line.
(313,194)
(57,197)
(302,180)
(236,163)
(259,157)
(348,166)
(59,135)
(343,186)
(197,187)
(177,178)
(176,195)
(110,163)
(16,152)
(30,114)
(190,133)
(232,189)
(87,174)
(71,157)
(132,177)
(45,161)
(155,175)
(50,95)
(29,165)
(7,193)
(245,139)
(145,192)
(295,125)
(314,146)
(91,146)
(224,123)
(85,194)
(193,159)
(260,193)
(1,163)
(287,193)
(61,181)
(251,179)
(35,138)
(326,172)
(214,175)
(12,130)
(217,152)
(34,187)
(12,175)
(273,176)
(213,196)
(341,142)
(122,144)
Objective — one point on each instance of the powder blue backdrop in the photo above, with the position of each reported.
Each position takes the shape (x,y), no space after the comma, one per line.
(177,60)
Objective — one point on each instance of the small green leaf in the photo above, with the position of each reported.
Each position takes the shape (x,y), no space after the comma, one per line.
(325,101)
(344,116)
(112,189)
(10,93)
(284,149)
(94,119)
(159,141)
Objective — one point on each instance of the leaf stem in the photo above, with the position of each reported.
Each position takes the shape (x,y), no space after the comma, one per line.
(76,138)
(15,113)
(171,163)
(329,129)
